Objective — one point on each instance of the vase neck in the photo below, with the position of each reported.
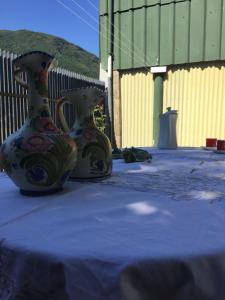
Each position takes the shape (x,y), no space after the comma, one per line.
(36,64)
(84,110)
(37,92)
(84,120)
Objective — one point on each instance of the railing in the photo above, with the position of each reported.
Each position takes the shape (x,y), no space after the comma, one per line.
(13,97)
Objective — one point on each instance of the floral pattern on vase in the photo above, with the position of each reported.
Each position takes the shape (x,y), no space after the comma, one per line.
(94,148)
(38,157)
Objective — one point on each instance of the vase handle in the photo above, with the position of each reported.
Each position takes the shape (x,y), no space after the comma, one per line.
(60,118)
(18,78)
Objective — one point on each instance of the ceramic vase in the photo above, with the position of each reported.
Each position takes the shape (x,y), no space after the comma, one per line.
(94,148)
(38,157)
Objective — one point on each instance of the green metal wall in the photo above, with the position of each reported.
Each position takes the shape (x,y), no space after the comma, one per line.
(163,32)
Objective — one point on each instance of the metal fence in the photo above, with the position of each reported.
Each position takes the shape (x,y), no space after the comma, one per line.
(13,97)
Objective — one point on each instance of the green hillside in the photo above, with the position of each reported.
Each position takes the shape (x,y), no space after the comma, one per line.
(69,56)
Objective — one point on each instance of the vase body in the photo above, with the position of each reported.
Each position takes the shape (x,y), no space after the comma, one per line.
(38,157)
(94,148)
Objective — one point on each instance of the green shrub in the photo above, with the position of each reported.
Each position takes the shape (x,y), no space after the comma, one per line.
(100,117)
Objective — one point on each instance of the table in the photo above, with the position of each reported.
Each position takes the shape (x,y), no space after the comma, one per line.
(150,231)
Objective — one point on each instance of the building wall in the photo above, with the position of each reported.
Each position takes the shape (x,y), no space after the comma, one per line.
(172,33)
(198,93)
(136,108)
(163,32)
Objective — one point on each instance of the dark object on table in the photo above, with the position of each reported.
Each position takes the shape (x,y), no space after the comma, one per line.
(136,155)
(132,155)
(117,153)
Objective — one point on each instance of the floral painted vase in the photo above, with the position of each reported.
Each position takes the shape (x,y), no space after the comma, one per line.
(38,157)
(94,148)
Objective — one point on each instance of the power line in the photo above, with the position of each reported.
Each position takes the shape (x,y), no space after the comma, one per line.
(76,14)
(92,27)
(140,59)
(120,32)
(83,9)
(92,4)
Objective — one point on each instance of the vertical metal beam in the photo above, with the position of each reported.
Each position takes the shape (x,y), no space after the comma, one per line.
(110,70)
(157,105)
(117,109)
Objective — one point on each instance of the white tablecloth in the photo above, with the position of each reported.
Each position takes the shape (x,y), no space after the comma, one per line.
(150,231)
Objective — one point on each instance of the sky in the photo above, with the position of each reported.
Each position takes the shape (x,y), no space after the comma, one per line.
(74,20)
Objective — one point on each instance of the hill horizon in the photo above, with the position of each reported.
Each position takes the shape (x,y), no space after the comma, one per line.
(70,56)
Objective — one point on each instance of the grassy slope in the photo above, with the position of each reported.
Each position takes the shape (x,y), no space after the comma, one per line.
(69,56)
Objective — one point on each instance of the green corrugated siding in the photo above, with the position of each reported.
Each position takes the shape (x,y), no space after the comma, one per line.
(163,32)
(122,5)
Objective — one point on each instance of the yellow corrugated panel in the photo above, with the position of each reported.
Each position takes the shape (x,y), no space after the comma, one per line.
(137,108)
(198,93)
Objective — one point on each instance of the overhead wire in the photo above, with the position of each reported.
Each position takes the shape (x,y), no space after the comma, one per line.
(92,4)
(92,27)
(83,9)
(77,15)
(120,32)
(142,60)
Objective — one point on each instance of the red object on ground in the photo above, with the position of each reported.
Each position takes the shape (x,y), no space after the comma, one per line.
(221,145)
(210,142)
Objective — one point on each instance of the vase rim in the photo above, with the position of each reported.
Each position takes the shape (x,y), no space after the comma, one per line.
(33,52)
